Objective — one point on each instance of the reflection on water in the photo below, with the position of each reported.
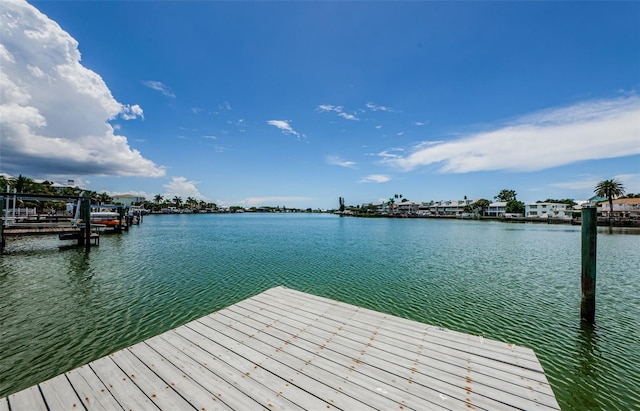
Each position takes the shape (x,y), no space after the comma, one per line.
(517,283)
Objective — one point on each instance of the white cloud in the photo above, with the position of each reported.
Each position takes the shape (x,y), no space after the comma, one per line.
(375,178)
(159,86)
(387,155)
(285,127)
(587,131)
(337,109)
(378,127)
(374,107)
(179,186)
(337,161)
(54,112)
(348,116)
(210,137)
(419,123)
(131,112)
(631,183)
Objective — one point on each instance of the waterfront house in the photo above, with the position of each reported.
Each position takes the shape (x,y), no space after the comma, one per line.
(444,207)
(127,199)
(407,207)
(547,210)
(593,201)
(497,209)
(622,208)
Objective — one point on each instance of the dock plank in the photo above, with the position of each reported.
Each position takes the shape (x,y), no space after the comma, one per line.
(60,395)
(93,393)
(204,373)
(180,381)
(327,378)
(460,377)
(29,400)
(287,350)
(268,358)
(123,389)
(155,388)
(435,355)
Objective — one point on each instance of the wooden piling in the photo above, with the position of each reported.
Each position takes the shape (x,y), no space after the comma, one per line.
(1,223)
(118,228)
(589,236)
(86,217)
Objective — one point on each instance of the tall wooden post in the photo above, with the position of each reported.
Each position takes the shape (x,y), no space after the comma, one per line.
(118,228)
(86,217)
(589,236)
(1,223)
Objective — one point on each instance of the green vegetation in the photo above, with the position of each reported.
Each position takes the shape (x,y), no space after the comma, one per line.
(27,185)
(514,206)
(610,189)
(506,196)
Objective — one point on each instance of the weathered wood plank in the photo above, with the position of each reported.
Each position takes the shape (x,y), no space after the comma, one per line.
(372,376)
(123,389)
(204,372)
(457,351)
(180,381)
(267,357)
(93,393)
(245,372)
(316,375)
(503,352)
(284,349)
(59,394)
(158,390)
(29,399)
(435,367)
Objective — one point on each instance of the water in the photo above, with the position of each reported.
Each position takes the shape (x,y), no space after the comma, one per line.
(517,283)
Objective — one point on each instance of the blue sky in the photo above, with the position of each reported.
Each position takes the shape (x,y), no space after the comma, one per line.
(298,103)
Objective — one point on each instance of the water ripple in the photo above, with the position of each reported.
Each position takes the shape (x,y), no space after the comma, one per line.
(514,283)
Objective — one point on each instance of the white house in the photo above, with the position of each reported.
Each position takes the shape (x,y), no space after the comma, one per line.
(444,207)
(407,207)
(127,199)
(496,209)
(547,210)
(622,207)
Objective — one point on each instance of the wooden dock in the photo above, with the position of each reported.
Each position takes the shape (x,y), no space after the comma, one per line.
(287,350)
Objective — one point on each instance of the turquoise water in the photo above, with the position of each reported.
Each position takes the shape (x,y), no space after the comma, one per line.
(518,283)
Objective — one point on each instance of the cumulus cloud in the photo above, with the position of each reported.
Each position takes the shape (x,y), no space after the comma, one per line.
(160,87)
(337,161)
(337,109)
(181,187)
(54,112)
(590,130)
(285,127)
(375,178)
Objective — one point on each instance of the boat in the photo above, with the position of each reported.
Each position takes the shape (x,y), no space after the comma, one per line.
(105,218)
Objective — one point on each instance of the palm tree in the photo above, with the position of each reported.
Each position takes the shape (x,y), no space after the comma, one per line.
(158,198)
(22,184)
(177,201)
(610,189)
(104,198)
